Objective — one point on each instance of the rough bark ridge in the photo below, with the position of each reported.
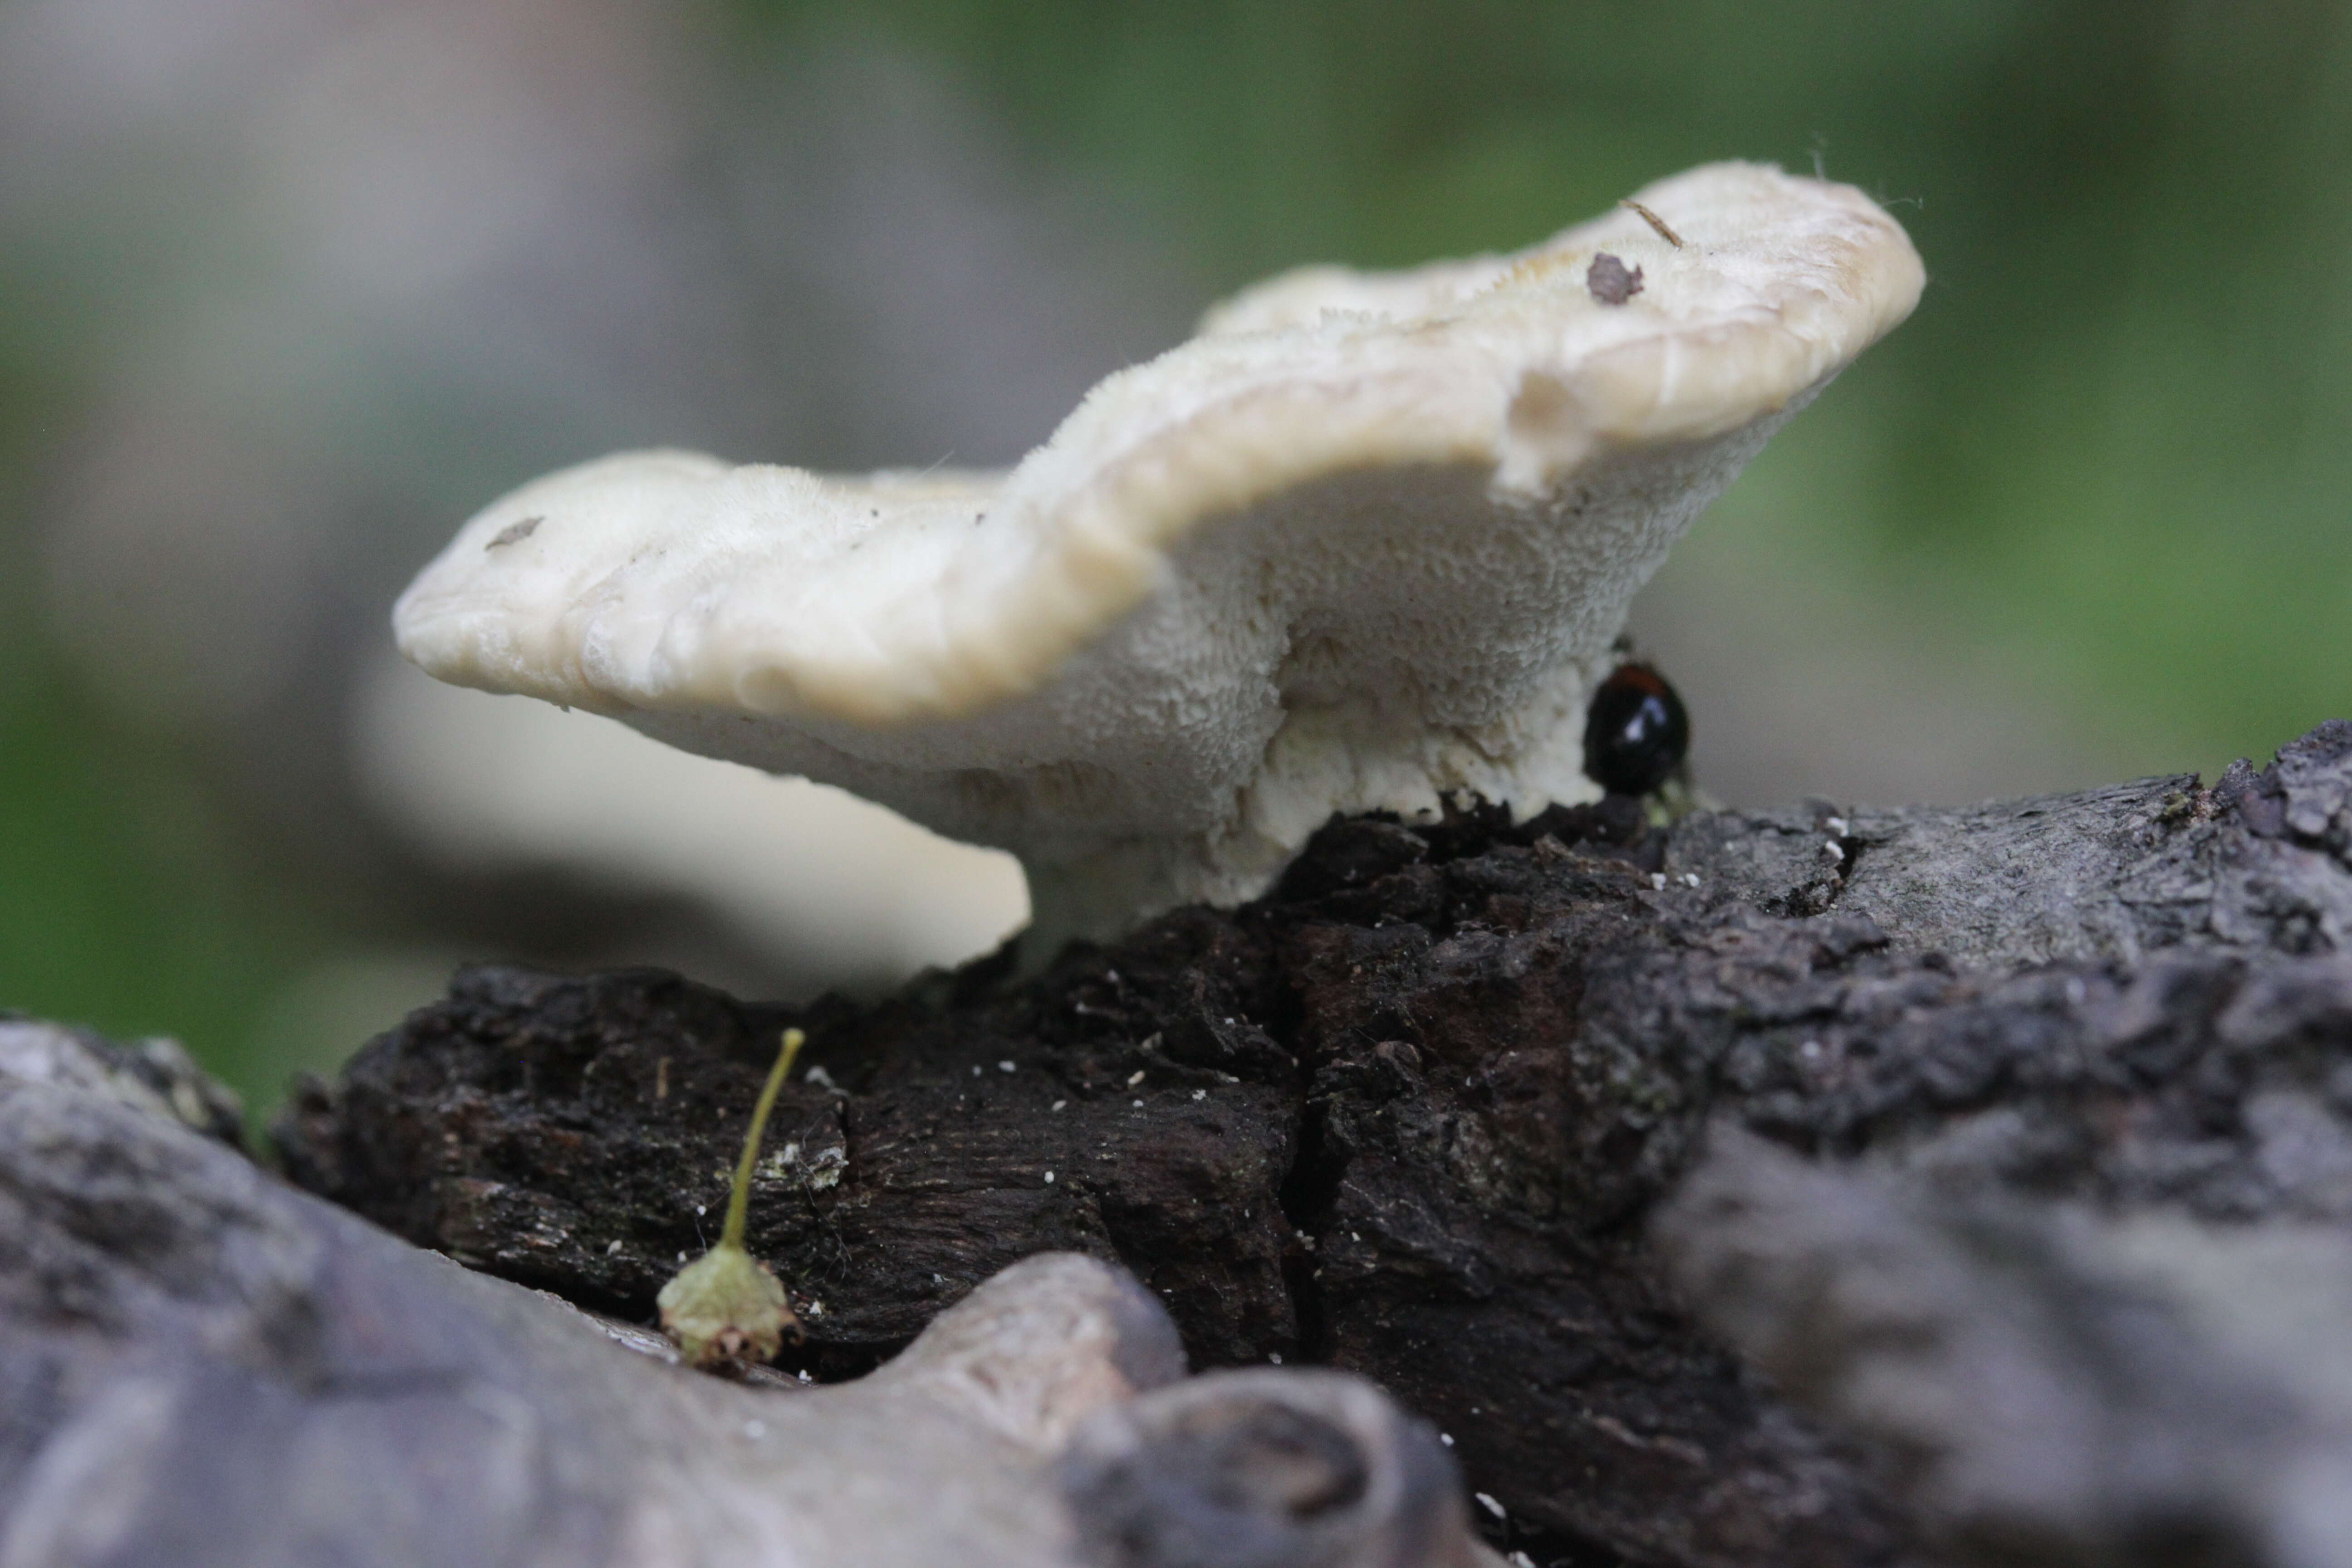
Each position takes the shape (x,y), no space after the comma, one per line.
(1409,1115)
(201,1367)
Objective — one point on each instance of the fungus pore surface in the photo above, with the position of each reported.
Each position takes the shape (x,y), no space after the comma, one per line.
(1364,540)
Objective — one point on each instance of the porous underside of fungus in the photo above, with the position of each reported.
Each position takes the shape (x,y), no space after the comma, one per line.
(1365,540)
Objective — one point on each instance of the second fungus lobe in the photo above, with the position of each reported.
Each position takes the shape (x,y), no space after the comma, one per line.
(1636,732)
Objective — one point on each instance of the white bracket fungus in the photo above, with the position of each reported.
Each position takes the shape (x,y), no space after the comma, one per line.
(1365,540)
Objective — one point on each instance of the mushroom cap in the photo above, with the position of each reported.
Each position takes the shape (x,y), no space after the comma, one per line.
(1366,539)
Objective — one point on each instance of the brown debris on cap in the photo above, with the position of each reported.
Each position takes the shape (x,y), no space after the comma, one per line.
(1611,280)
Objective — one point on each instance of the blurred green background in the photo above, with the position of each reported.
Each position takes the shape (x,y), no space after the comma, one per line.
(290,287)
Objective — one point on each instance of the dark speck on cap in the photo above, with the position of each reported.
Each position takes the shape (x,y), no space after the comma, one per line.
(1611,280)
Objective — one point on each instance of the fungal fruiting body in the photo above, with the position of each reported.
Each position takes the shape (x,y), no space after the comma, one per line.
(1366,540)
(726,1305)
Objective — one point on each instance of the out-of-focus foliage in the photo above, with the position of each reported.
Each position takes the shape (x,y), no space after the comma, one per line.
(2101,486)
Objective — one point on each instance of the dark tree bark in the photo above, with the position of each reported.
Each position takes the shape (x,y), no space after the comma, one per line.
(201,1367)
(1411,1114)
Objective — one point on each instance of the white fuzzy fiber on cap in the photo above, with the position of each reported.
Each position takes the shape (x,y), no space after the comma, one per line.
(1364,540)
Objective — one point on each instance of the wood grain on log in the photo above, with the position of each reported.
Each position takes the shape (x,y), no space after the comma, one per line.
(201,1367)
(1410,1114)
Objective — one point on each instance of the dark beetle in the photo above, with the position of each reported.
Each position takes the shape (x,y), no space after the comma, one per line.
(1636,732)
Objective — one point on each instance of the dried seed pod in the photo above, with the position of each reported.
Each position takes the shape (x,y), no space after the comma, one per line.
(727,1305)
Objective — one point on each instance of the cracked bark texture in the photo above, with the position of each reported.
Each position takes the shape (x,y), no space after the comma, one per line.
(201,1366)
(1412,1115)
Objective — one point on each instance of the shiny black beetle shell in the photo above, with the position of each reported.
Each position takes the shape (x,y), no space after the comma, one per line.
(1636,732)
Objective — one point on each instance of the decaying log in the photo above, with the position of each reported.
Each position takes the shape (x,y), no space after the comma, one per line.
(2053,1382)
(1412,1114)
(204,1368)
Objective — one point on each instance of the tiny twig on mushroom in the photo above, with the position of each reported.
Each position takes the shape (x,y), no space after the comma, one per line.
(1655,221)
(727,1303)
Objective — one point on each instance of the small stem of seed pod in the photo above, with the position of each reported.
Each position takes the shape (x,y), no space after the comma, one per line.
(739,1198)
(727,1305)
